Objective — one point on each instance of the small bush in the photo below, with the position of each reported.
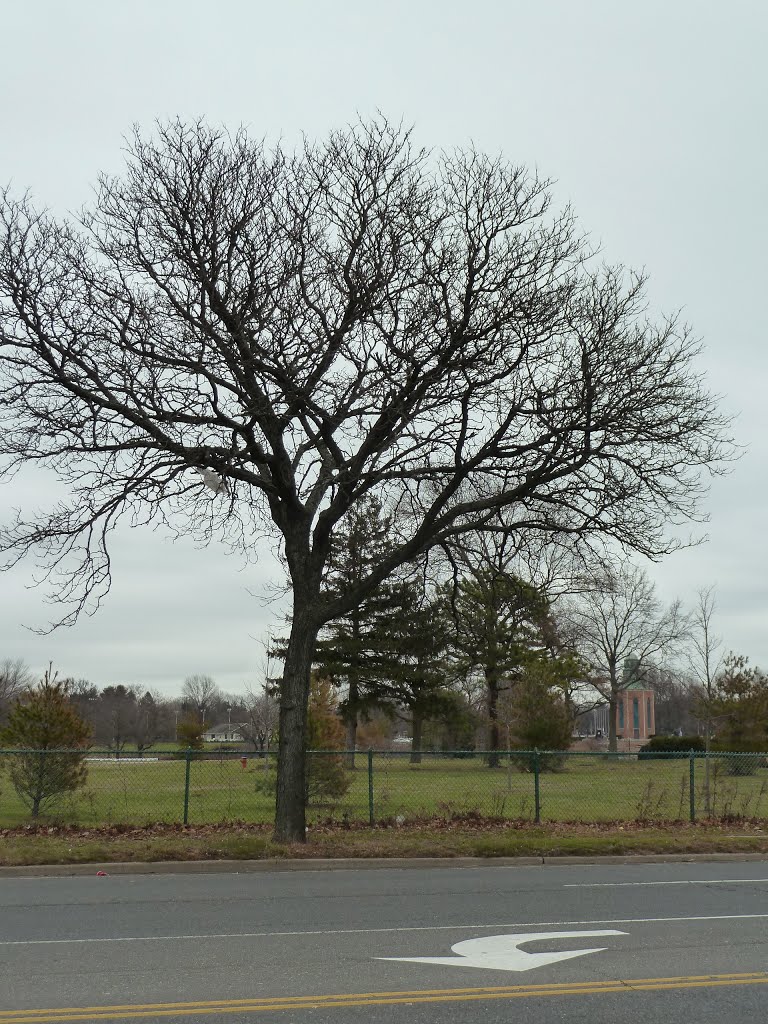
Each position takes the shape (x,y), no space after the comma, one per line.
(51,738)
(741,762)
(525,761)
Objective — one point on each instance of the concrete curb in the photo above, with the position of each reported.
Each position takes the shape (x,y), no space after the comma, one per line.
(188,867)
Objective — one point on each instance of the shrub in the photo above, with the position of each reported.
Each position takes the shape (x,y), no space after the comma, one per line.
(743,760)
(548,761)
(189,732)
(675,747)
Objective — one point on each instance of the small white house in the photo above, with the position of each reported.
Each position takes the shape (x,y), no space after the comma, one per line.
(224,732)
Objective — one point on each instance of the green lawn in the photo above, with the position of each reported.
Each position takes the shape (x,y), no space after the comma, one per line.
(589,788)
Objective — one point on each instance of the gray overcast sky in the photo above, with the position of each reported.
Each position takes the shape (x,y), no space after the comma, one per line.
(652,118)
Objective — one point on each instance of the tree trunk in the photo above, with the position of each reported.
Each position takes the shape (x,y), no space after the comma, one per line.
(290,807)
(613,703)
(351,721)
(493,716)
(39,790)
(416,741)
(37,796)
(707,781)
(349,756)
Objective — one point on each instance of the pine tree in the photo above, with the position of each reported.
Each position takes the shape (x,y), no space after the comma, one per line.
(498,619)
(739,708)
(51,738)
(536,712)
(326,774)
(350,650)
(189,732)
(414,634)
(147,722)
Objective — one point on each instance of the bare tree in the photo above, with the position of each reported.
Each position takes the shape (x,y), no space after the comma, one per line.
(622,618)
(675,703)
(233,339)
(705,661)
(262,713)
(704,658)
(15,677)
(200,693)
(148,720)
(115,717)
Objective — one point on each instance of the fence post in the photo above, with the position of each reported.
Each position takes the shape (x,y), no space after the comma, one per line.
(536,786)
(186,784)
(370,786)
(692,784)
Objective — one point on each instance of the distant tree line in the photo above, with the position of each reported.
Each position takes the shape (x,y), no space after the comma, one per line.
(493,652)
(486,650)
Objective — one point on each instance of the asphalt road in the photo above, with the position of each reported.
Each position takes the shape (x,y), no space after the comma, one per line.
(668,942)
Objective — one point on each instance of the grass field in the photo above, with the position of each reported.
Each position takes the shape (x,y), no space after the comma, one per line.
(589,788)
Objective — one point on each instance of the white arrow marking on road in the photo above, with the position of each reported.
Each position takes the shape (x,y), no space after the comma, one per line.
(501,952)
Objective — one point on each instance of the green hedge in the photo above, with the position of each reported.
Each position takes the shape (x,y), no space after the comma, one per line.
(677,747)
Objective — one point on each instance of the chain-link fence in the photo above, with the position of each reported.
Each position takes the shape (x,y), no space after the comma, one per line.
(207,786)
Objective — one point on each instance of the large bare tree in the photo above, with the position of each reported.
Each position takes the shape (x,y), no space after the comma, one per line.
(622,618)
(200,693)
(233,339)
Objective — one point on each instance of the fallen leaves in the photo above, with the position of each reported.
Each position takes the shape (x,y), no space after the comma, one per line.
(460,823)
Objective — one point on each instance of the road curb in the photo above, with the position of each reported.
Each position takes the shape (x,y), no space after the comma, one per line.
(355,864)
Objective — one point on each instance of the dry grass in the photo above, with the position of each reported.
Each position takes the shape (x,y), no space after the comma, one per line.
(438,838)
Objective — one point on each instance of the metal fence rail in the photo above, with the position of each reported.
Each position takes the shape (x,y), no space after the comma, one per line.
(209,786)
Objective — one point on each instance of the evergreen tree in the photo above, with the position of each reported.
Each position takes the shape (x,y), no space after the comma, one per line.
(387,652)
(498,619)
(537,714)
(118,716)
(738,707)
(146,722)
(326,775)
(414,635)
(189,732)
(52,739)
(352,649)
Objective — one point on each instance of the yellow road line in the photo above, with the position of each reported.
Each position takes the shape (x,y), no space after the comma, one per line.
(126,1011)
